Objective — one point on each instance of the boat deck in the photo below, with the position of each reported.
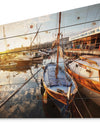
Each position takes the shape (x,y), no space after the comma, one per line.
(62,82)
(92,65)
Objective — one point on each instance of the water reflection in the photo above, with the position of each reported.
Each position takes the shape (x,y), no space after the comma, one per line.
(28,101)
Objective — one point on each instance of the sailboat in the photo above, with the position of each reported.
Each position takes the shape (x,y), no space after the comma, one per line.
(58,84)
(26,58)
(86,71)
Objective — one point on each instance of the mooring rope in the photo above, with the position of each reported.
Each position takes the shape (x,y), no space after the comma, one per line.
(85,105)
(34,77)
(78,110)
(18,89)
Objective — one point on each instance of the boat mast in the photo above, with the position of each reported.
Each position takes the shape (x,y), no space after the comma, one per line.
(34,38)
(58,41)
(4,35)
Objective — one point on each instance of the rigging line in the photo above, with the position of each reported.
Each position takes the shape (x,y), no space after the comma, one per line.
(34,77)
(77,109)
(85,105)
(35,36)
(5,101)
(50,29)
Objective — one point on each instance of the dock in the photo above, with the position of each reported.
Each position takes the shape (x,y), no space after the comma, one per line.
(82,52)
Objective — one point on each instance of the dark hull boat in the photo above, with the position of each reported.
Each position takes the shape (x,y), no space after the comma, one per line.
(61,90)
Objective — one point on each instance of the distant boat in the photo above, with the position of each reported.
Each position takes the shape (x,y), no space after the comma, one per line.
(30,57)
(57,84)
(44,53)
(51,51)
(86,71)
(27,60)
(8,65)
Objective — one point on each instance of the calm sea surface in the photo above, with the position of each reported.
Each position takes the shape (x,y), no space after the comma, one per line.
(28,103)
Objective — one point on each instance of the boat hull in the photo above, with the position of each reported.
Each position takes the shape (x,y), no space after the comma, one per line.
(59,101)
(28,62)
(40,58)
(86,86)
(95,97)
(62,89)
(60,106)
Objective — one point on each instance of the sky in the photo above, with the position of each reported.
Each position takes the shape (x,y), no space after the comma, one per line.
(48,22)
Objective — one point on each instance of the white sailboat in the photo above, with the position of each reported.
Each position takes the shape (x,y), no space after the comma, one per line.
(86,71)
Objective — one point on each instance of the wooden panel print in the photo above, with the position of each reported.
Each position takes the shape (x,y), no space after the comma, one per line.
(50,66)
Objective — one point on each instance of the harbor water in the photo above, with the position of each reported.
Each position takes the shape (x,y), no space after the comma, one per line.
(28,101)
